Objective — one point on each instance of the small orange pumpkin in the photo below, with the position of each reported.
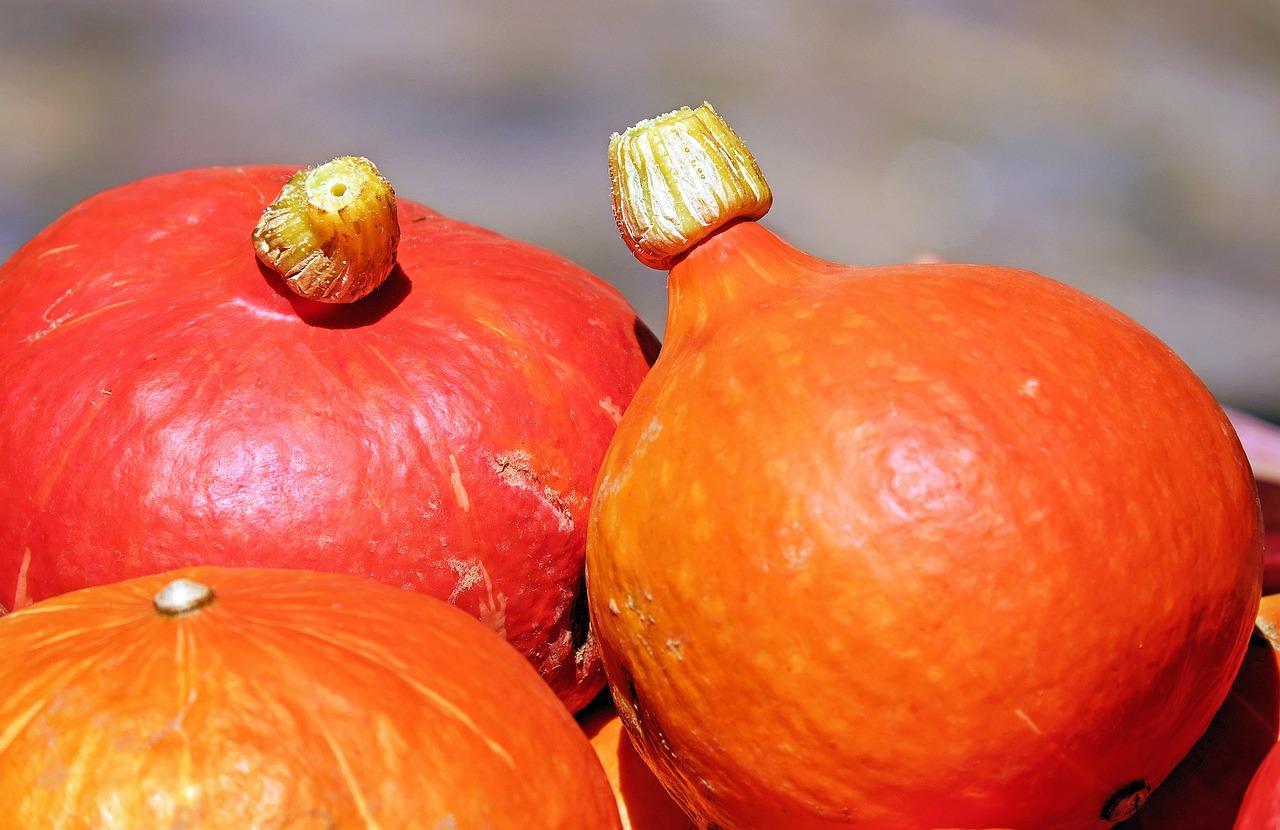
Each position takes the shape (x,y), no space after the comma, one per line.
(220,699)
(642,803)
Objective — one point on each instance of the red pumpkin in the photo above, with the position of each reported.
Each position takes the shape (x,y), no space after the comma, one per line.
(907,546)
(226,699)
(1205,790)
(168,401)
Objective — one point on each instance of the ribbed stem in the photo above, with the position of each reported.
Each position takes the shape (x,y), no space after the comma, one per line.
(332,232)
(677,179)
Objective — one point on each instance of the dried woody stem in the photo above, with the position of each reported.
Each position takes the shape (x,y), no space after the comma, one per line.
(332,232)
(678,178)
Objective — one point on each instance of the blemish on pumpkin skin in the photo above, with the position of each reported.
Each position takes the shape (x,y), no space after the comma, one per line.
(797,555)
(58,250)
(559,651)
(1025,718)
(459,492)
(611,409)
(69,318)
(1030,388)
(515,469)
(53,322)
(469,575)
(21,599)
(382,358)
(493,608)
(675,647)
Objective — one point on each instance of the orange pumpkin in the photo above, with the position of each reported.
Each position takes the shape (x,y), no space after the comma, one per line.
(642,803)
(219,699)
(907,546)
(1205,790)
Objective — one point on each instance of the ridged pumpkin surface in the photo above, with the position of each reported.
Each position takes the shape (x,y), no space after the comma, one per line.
(294,700)
(168,402)
(915,547)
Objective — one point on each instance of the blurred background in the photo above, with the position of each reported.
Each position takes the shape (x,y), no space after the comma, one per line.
(1131,149)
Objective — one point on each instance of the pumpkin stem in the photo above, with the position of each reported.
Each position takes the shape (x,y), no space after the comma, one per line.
(182,596)
(677,179)
(332,232)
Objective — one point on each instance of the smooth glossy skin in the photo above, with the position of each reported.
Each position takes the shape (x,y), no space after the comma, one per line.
(297,701)
(1205,790)
(642,802)
(915,547)
(167,402)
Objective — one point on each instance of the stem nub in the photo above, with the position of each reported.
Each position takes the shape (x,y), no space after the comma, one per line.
(182,596)
(332,232)
(677,179)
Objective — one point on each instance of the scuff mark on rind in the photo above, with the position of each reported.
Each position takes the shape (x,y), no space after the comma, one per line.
(58,250)
(515,469)
(469,575)
(611,409)
(21,599)
(459,492)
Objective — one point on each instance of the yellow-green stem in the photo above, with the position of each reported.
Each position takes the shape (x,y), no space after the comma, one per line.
(332,232)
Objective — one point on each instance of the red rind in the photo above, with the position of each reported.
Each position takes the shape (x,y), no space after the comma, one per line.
(167,401)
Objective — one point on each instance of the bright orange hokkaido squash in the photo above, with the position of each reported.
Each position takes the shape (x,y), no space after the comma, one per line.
(228,699)
(907,546)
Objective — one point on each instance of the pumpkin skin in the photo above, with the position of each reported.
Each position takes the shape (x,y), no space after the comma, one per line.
(293,700)
(642,803)
(986,547)
(1205,790)
(1261,807)
(168,402)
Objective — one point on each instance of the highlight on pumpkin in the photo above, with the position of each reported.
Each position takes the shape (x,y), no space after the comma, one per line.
(332,233)
(678,178)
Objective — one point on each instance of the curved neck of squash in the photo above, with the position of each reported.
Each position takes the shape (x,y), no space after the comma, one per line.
(726,274)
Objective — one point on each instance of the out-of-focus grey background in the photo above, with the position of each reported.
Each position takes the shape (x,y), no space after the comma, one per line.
(1132,149)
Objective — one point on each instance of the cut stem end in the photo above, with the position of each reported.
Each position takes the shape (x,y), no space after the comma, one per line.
(182,596)
(332,233)
(677,179)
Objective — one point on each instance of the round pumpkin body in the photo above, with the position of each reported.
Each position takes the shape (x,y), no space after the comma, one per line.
(914,547)
(167,401)
(642,802)
(284,699)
